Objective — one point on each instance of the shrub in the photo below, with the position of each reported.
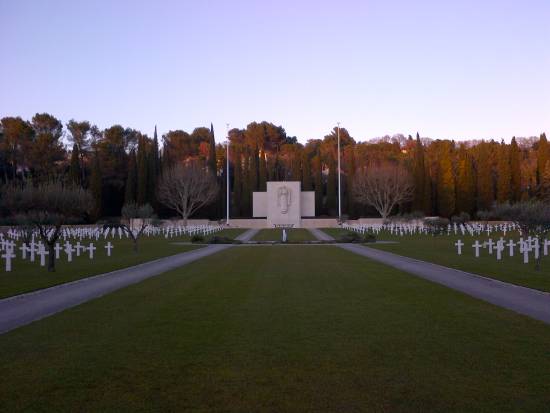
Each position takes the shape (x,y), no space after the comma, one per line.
(461,218)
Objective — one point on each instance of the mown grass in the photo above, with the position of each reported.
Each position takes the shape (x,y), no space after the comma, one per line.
(299,328)
(276,234)
(441,250)
(28,276)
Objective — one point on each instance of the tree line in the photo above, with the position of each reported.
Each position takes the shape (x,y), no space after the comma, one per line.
(123,166)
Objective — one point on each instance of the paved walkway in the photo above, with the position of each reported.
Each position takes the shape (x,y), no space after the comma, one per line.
(25,308)
(526,301)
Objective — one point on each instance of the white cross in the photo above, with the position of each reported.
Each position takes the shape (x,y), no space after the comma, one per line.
(459,245)
(545,247)
(91,249)
(78,247)
(511,245)
(536,248)
(24,249)
(58,249)
(490,244)
(477,246)
(500,248)
(525,255)
(109,247)
(8,255)
(42,252)
(69,251)
(32,250)
(521,245)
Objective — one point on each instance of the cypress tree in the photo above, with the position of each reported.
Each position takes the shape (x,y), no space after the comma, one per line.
(465,183)
(141,193)
(318,184)
(131,181)
(246,194)
(515,171)
(262,172)
(237,183)
(446,185)
(503,174)
(543,156)
(96,186)
(74,169)
(419,176)
(331,186)
(212,165)
(253,170)
(484,179)
(152,173)
(306,173)
(349,184)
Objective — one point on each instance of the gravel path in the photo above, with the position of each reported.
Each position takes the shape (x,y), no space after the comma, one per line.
(25,308)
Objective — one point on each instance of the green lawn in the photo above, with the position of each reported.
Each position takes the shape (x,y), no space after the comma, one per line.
(28,276)
(300,328)
(276,234)
(442,250)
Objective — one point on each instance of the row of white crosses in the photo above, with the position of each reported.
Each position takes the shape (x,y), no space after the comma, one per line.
(404,229)
(531,244)
(33,249)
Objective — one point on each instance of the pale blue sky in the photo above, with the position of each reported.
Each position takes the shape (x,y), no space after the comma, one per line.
(450,69)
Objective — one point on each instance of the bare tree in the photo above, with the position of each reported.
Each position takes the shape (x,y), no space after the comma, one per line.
(47,207)
(131,214)
(383,187)
(186,188)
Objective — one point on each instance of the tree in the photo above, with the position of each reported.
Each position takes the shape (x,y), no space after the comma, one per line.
(132,212)
(131,181)
(331,186)
(504,177)
(186,188)
(318,183)
(306,173)
(79,135)
(212,152)
(74,169)
(47,149)
(47,207)
(141,194)
(446,185)
(419,176)
(17,138)
(532,217)
(383,187)
(484,178)
(543,156)
(515,171)
(262,172)
(465,182)
(96,186)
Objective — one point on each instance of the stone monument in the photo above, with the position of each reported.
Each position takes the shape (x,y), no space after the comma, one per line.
(283,204)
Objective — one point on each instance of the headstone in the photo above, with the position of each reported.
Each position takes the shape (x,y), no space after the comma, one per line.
(91,249)
(511,245)
(8,255)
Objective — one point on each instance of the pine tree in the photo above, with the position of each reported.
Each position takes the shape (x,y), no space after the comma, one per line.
(141,194)
(131,180)
(74,169)
(465,183)
(306,173)
(515,171)
(446,185)
(504,177)
(318,184)
(262,172)
(419,176)
(96,186)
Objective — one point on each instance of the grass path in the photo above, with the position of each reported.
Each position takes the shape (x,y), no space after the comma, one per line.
(442,250)
(279,329)
(29,276)
(275,234)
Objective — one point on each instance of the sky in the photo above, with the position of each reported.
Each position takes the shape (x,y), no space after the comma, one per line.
(447,69)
